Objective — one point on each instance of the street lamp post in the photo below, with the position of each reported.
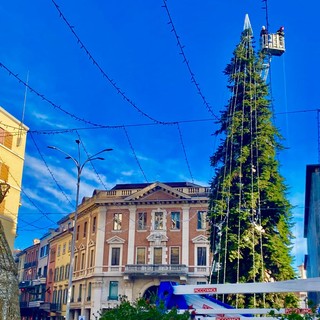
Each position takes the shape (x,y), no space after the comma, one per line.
(79,167)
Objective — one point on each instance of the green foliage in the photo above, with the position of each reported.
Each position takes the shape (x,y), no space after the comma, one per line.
(250,215)
(142,309)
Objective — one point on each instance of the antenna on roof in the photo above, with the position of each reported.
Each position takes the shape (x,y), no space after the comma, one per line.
(23,112)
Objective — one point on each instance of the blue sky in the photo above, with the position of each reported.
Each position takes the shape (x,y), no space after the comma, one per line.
(131,78)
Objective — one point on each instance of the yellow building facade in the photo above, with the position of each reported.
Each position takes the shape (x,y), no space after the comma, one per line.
(13,136)
(59,268)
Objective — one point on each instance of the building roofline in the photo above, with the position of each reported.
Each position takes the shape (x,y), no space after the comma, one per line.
(143,185)
(9,115)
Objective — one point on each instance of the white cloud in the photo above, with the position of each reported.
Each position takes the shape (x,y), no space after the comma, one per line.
(46,120)
(127,173)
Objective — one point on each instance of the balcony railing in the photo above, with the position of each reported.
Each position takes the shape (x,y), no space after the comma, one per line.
(54,307)
(35,303)
(39,280)
(156,269)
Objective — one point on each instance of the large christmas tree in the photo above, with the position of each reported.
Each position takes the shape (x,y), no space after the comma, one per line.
(249,213)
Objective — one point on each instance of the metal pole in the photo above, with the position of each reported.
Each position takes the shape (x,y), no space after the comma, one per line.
(79,167)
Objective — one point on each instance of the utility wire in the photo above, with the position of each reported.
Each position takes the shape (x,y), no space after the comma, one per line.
(46,99)
(134,153)
(184,152)
(95,63)
(186,61)
(71,130)
(51,173)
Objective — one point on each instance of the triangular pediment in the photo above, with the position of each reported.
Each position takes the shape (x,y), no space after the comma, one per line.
(116,239)
(201,239)
(91,243)
(81,247)
(157,191)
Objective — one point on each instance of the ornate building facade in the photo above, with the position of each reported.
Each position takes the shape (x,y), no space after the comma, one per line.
(132,237)
(127,240)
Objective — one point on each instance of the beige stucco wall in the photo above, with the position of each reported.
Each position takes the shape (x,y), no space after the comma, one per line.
(14,159)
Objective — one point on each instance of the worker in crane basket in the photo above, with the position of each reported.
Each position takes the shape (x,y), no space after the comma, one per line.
(264,37)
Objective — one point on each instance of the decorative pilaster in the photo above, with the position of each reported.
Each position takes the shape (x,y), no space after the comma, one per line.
(100,240)
(185,234)
(131,235)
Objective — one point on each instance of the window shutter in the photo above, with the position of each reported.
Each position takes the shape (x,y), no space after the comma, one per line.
(8,140)
(4,172)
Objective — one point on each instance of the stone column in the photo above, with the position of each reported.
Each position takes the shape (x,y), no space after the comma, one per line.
(96,296)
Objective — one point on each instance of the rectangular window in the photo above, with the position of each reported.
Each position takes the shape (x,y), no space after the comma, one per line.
(75,266)
(45,271)
(142,221)
(64,248)
(175,220)
(80,292)
(56,274)
(113,290)
(59,250)
(83,260)
(54,297)
(78,231)
(94,224)
(115,257)
(174,255)
(89,292)
(72,294)
(46,250)
(141,255)
(91,260)
(157,256)
(61,275)
(202,220)
(158,220)
(65,296)
(59,296)
(69,246)
(85,229)
(201,256)
(117,220)
(67,271)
